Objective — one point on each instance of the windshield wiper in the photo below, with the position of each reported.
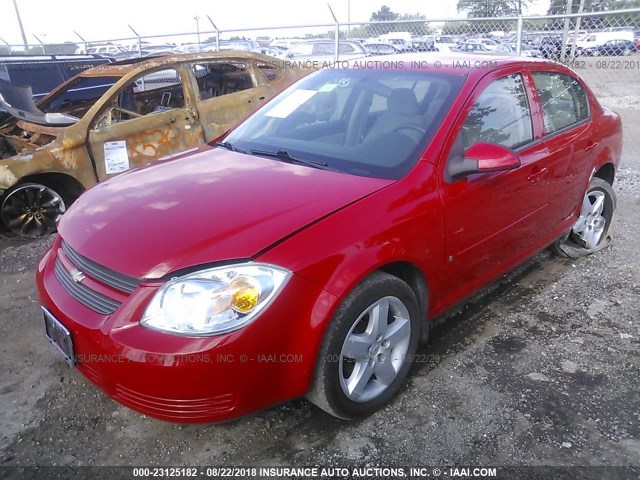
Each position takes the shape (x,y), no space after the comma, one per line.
(284,155)
(229,146)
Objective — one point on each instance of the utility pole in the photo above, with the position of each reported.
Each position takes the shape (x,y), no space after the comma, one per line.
(24,37)
(197,19)
(575,36)
(349,18)
(565,32)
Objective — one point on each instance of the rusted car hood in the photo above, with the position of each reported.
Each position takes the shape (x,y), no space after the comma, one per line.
(208,207)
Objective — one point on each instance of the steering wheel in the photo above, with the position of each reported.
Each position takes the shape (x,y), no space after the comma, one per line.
(127,112)
(409,126)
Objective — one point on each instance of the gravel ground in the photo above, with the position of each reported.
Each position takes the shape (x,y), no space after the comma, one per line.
(543,370)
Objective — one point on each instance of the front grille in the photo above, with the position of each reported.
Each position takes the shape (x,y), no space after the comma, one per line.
(94,300)
(104,275)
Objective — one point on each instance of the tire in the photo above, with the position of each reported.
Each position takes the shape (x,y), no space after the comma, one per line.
(626,52)
(592,231)
(31,210)
(381,362)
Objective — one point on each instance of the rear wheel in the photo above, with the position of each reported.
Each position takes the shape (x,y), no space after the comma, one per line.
(591,232)
(368,348)
(31,210)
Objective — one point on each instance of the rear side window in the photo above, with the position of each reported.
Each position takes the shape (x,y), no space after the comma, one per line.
(501,115)
(222,78)
(564,101)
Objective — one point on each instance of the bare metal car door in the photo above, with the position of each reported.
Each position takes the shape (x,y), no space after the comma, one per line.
(149,118)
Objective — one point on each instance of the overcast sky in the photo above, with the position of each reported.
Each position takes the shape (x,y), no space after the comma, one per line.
(55,20)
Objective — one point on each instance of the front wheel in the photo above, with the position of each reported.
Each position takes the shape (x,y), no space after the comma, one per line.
(31,210)
(591,232)
(368,348)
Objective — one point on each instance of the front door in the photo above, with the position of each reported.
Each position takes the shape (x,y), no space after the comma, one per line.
(491,218)
(148,119)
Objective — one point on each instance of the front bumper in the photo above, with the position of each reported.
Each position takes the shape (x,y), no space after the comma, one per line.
(188,379)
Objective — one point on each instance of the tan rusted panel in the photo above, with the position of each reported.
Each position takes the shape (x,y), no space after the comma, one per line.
(43,149)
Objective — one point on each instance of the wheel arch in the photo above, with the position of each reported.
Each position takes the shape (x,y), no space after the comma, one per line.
(606,172)
(54,180)
(413,276)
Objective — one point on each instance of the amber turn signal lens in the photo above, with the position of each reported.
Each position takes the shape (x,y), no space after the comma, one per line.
(246,295)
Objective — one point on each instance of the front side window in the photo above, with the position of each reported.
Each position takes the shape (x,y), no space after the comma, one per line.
(373,123)
(564,101)
(500,115)
(153,93)
(78,96)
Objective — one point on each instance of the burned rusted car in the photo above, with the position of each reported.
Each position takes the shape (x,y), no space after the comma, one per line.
(115,117)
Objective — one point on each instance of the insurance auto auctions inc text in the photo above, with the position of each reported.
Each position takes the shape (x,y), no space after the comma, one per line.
(376,472)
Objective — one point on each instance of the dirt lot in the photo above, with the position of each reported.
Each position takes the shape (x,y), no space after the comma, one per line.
(542,371)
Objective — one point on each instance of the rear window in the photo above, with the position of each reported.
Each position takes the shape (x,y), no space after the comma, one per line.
(41,77)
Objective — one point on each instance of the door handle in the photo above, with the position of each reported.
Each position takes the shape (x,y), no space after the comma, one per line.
(537,175)
(591,147)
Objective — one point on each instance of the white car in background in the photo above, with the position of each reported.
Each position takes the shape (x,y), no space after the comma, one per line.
(444,43)
(487,42)
(324,51)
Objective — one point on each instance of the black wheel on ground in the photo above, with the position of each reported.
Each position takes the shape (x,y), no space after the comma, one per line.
(31,210)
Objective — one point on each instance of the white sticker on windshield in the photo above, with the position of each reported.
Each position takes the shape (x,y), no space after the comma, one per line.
(328,87)
(116,159)
(290,104)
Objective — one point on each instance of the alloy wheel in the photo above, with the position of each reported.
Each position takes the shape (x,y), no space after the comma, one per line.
(32,210)
(374,350)
(591,223)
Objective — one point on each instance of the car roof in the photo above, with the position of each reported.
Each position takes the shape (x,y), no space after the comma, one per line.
(452,63)
(120,69)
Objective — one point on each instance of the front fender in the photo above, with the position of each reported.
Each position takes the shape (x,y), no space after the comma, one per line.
(400,223)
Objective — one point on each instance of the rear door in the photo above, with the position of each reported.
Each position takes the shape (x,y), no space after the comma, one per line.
(227,91)
(148,119)
(568,138)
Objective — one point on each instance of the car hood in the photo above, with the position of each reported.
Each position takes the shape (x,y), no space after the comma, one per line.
(211,206)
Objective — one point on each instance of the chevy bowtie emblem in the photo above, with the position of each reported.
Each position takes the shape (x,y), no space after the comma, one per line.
(77,276)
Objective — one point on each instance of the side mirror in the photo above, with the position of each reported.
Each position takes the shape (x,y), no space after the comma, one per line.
(483,158)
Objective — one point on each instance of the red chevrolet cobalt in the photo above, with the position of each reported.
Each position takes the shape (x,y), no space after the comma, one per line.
(306,252)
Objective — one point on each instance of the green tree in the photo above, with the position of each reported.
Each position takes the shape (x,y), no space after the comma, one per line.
(629,19)
(559,7)
(377,26)
(384,15)
(492,8)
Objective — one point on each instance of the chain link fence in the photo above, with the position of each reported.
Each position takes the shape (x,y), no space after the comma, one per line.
(602,46)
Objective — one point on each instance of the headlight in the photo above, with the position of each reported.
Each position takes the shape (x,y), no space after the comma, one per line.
(214,301)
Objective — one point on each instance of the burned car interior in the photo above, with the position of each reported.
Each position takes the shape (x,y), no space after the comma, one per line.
(221,78)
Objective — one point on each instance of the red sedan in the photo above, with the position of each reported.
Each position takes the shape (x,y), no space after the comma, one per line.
(306,253)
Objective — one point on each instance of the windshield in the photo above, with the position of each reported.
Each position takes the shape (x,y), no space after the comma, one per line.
(373,123)
(78,96)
